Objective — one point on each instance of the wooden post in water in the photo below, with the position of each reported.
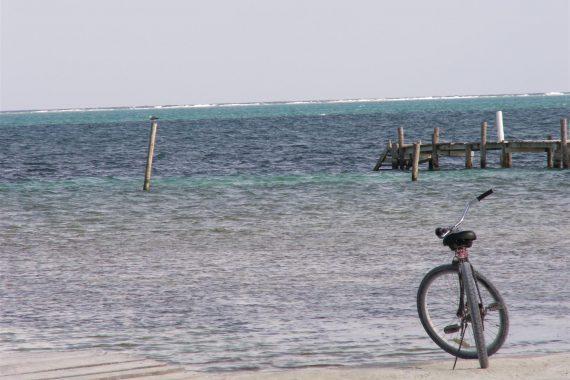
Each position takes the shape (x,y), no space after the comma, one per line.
(564,144)
(468,159)
(434,161)
(483,146)
(394,154)
(401,156)
(151,141)
(506,155)
(549,155)
(416,161)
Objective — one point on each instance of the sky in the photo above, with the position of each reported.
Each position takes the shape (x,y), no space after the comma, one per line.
(97,53)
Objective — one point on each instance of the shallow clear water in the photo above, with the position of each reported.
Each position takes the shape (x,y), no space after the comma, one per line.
(266,241)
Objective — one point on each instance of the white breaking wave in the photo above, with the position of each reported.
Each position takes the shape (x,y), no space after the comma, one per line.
(296,102)
(240,104)
(202,105)
(67,110)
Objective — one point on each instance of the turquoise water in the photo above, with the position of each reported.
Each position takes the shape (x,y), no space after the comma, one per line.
(266,241)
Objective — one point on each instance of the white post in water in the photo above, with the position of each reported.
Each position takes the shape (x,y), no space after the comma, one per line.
(499,123)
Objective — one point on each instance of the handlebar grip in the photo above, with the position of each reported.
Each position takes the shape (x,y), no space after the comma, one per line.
(484,195)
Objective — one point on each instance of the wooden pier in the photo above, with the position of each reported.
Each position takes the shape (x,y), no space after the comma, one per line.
(404,156)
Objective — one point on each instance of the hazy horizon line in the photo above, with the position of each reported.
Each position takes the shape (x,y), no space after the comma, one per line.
(285,102)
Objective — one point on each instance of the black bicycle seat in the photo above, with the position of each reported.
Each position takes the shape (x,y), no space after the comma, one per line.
(462,239)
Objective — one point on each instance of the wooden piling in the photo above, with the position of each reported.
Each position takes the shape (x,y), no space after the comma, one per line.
(401,152)
(483,145)
(416,161)
(549,155)
(503,154)
(506,155)
(383,156)
(394,154)
(564,143)
(151,142)
(468,158)
(434,161)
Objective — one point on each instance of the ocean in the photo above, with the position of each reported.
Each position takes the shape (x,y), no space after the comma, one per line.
(266,241)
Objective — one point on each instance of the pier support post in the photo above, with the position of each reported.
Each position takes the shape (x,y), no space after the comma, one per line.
(564,144)
(416,161)
(401,155)
(394,153)
(549,155)
(151,141)
(434,161)
(468,159)
(483,145)
(506,155)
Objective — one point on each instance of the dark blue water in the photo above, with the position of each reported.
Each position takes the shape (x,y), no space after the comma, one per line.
(267,242)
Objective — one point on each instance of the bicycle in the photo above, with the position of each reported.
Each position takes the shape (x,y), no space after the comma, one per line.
(459,308)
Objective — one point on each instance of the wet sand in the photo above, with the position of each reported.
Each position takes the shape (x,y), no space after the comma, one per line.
(554,366)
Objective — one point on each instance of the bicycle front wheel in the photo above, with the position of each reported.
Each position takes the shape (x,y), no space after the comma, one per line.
(443,310)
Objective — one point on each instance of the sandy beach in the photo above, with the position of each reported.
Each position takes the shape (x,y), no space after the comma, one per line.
(554,366)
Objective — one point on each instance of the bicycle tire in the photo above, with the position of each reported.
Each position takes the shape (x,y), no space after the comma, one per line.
(496,322)
(475,312)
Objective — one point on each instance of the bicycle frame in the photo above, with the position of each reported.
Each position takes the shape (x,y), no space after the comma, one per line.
(461,258)
(472,298)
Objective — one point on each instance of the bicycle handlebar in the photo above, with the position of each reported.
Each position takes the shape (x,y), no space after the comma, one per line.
(484,195)
(442,232)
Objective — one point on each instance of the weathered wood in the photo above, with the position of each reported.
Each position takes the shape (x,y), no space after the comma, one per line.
(434,162)
(404,156)
(483,146)
(452,153)
(383,156)
(564,143)
(416,161)
(394,154)
(401,150)
(151,142)
(523,149)
(457,149)
(549,155)
(506,155)
(537,146)
(540,144)
(468,157)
